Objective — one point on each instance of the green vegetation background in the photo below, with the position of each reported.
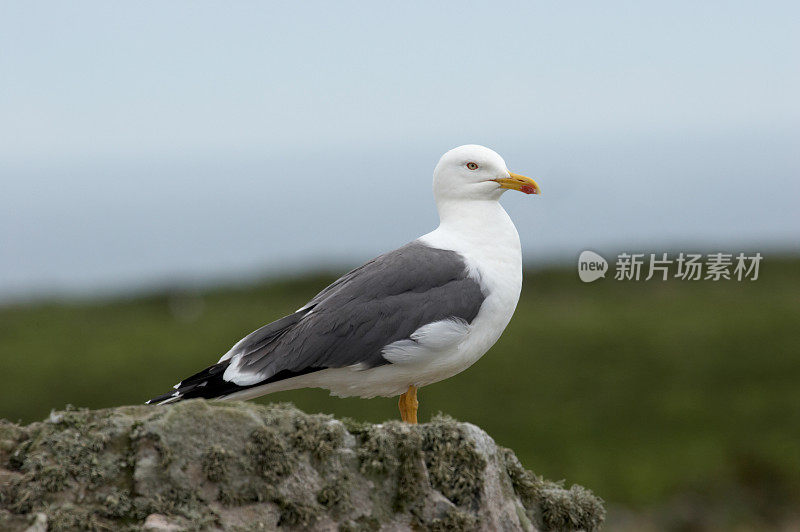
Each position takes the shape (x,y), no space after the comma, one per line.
(639,391)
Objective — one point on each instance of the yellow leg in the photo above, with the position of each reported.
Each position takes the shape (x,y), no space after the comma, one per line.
(408,405)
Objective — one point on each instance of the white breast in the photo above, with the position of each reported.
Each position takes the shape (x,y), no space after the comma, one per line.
(489,242)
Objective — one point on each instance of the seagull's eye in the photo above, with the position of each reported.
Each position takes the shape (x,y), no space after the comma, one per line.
(472,166)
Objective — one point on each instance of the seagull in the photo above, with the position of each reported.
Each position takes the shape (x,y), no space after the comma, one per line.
(406,319)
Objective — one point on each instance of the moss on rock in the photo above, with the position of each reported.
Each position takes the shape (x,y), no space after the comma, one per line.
(551,506)
(199,465)
(454,464)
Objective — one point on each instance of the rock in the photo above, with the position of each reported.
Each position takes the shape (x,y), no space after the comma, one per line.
(232,466)
(39,523)
(159,522)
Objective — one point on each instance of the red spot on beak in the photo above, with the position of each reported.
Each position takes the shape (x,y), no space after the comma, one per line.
(527,189)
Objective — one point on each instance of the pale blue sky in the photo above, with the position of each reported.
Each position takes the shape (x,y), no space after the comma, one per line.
(151,142)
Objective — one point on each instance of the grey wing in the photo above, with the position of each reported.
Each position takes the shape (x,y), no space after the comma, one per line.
(353,319)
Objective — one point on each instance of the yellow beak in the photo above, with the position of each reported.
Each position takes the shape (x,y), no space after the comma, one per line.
(519,182)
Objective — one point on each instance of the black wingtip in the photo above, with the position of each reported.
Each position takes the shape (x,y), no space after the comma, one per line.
(164,397)
(206,384)
(210,384)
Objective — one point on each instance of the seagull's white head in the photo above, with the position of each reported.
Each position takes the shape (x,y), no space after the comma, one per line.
(473,172)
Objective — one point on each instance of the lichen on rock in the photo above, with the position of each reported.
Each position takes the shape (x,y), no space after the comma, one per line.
(235,466)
